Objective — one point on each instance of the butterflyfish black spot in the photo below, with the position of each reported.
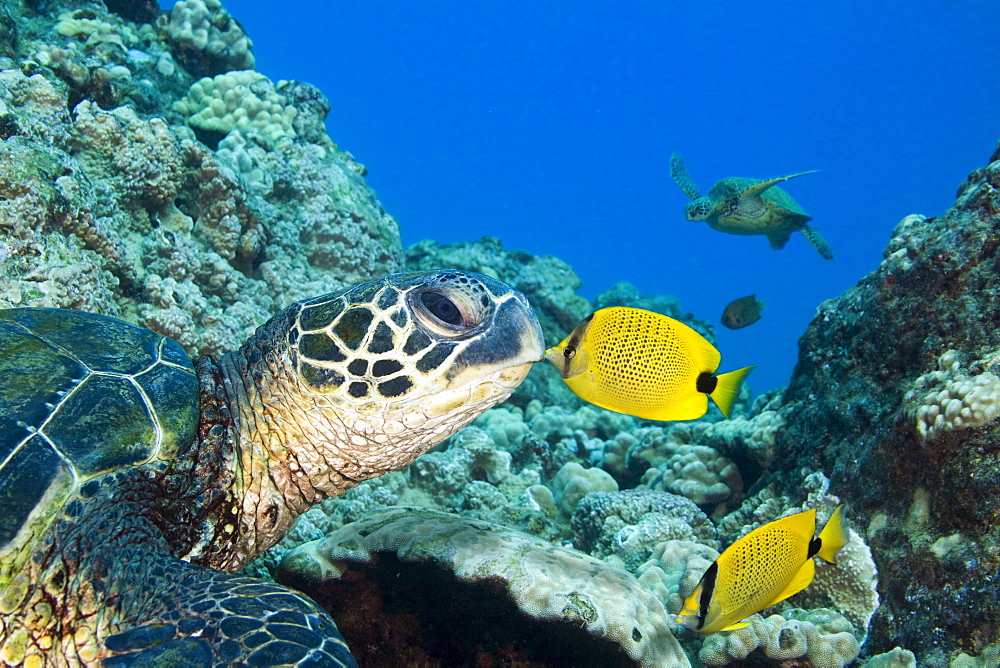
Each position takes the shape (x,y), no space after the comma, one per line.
(814,546)
(706,382)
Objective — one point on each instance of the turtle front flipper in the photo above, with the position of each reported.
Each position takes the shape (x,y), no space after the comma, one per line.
(817,240)
(759,187)
(779,238)
(213,618)
(679,173)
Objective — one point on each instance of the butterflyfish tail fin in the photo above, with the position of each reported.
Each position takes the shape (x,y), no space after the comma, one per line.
(833,536)
(728,388)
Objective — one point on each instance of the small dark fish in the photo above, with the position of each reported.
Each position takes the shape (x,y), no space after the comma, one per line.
(742,312)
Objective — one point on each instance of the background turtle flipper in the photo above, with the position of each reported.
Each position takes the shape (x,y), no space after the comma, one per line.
(679,173)
(817,240)
(759,187)
(779,238)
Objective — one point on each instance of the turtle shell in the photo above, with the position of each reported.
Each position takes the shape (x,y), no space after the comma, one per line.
(784,212)
(81,395)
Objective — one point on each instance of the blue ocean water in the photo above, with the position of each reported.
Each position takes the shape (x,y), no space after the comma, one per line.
(550,125)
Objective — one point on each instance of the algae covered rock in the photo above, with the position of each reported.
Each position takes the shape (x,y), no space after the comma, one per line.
(568,608)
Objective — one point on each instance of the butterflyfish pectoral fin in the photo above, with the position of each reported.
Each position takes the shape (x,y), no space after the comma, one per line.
(833,536)
(736,626)
(728,388)
(801,580)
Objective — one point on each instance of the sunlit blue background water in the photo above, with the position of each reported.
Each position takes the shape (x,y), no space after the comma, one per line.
(550,125)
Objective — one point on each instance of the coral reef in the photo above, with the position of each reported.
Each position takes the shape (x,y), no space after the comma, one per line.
(821,636)
(148,172)
(243,100)
(116,207)
(206,39)
(894,658)
(630,523)
(547,583)
(677,465)
(948,398)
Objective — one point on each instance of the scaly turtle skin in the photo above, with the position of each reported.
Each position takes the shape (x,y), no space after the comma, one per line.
(133,483)
(748,206)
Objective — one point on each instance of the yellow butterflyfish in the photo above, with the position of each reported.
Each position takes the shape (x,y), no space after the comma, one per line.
(764,567)
(641,363)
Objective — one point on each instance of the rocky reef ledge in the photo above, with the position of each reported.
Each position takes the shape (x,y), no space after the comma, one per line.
(895,396)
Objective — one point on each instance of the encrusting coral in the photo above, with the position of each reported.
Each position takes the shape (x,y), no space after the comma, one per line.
(821,636)
(243,100)
(206,38)
(948,398)
(546,582)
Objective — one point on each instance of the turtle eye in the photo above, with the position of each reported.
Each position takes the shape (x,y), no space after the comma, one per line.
(442,308)
(446,311)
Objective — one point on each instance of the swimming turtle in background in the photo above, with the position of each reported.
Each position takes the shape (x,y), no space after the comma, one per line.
(740,205)
(133,483)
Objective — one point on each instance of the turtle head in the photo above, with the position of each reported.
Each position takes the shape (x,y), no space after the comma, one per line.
(390,368)
(699,209)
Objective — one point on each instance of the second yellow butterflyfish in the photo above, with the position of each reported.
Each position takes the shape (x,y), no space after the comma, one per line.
(766,566)
(645,364)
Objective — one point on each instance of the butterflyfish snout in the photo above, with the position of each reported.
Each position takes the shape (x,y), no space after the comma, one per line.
(764,567)
(645,364)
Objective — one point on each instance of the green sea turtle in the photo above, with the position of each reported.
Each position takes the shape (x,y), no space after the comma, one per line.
(739,205)
(132,483)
